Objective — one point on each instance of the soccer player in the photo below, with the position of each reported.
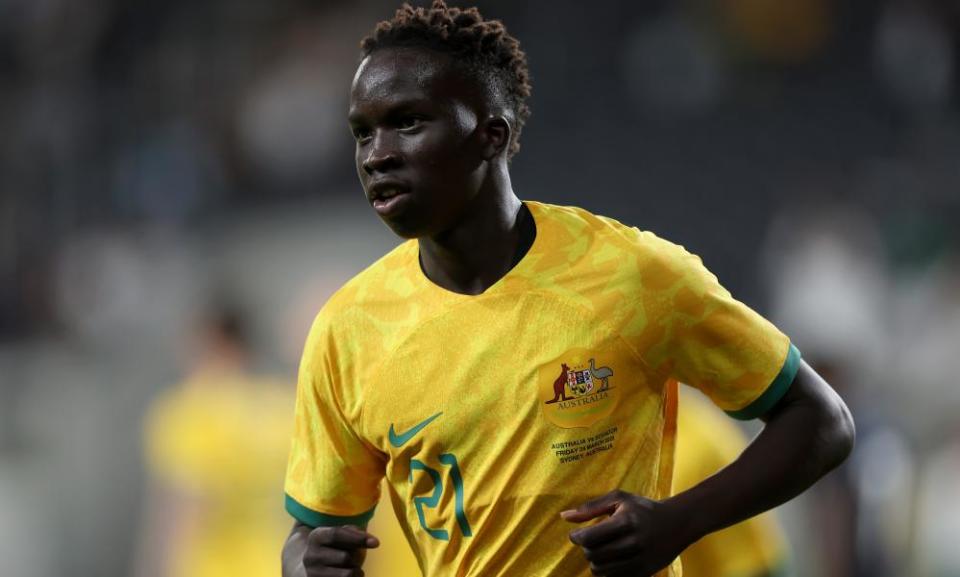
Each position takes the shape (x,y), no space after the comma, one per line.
(216,445)
(438,367)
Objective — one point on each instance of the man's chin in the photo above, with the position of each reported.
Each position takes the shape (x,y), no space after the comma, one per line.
(405,229)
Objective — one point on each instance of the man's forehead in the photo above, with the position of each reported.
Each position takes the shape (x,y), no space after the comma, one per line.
(391,70)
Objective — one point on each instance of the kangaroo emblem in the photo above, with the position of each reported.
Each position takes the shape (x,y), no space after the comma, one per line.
(602,374)
(560,386)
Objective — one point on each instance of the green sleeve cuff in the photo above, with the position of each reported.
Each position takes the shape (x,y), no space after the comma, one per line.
(312,518)
(774,392)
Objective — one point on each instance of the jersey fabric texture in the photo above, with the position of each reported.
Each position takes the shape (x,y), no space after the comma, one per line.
(707,442)
(394,557)
(490,414)
(220,441)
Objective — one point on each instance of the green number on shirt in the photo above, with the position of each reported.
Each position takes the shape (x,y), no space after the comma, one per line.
(433,500)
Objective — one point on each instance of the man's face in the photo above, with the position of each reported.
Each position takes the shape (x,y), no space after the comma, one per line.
(418,153)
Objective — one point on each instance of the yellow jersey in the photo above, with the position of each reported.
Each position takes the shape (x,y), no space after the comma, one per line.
(489,414)
(393,558)
(706,442)
(222,438)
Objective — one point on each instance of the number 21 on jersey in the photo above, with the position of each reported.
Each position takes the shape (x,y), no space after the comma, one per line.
(449,461)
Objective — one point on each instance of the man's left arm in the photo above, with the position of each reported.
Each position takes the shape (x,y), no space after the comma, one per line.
(808,432)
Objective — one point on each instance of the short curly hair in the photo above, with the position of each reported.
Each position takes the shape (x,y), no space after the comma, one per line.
(483,46)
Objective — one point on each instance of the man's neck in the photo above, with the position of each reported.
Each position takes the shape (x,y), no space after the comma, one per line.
(483,247)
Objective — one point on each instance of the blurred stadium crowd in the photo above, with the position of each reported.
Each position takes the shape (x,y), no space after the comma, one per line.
(160,156)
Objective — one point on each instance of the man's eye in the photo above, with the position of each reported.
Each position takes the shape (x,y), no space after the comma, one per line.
(409,122)
(361,134)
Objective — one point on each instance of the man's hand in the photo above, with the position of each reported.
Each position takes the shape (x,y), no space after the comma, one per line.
(328,551)
(808,432)
(640,536)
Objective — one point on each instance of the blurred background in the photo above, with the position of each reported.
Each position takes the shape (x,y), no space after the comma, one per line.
(178,199)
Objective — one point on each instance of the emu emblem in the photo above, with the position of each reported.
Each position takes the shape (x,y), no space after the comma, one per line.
(601,374)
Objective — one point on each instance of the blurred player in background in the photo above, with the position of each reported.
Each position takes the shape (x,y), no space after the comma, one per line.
(511,370)
(215,448)
(707,441)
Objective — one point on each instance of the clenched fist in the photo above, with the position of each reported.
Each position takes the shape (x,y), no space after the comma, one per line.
(639,537)
(330,551)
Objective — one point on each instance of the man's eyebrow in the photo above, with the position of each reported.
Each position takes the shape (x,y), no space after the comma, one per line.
(390,107)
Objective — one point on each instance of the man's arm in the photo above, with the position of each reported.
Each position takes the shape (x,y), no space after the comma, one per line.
(326,551)
(807,433)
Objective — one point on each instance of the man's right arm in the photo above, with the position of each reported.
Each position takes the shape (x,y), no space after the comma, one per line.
(326,551)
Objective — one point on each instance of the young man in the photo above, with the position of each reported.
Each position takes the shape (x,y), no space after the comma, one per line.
(439,367)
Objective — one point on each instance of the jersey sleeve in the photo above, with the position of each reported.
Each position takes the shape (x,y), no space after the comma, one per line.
(333,475)
(697,333)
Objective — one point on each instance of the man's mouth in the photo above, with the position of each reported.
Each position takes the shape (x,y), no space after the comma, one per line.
(387,198)
(387,193)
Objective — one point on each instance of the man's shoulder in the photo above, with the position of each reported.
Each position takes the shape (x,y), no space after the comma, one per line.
(579,223)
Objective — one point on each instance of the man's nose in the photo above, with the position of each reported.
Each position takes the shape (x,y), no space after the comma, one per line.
(382,155)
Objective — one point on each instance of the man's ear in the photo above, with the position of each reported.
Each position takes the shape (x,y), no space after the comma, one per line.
(496,136)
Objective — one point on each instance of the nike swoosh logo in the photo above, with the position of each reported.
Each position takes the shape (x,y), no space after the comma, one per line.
(401,439)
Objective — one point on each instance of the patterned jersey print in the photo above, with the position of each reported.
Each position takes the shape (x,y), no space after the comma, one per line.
(490,414)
